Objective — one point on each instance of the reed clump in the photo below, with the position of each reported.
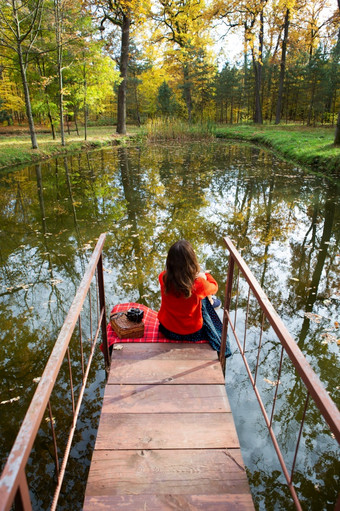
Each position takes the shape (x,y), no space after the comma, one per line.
(178,130)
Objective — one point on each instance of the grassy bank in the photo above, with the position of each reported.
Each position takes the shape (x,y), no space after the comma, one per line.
(15,149)
(311,147)
(308,146)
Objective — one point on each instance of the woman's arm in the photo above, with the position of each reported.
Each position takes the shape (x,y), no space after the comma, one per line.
(205,287)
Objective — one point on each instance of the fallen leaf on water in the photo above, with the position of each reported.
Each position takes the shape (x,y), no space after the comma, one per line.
(10,400)
(293,278)
(54,282)
(271,382)
(315,318)
(47,419)
(328,338)
(118,347)
(336,324)
(37,380)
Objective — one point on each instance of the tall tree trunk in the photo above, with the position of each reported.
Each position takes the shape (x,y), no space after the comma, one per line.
(257,63)
(337,132)
(51,120)
(245,72)
(137,102)
(231,109)
(27,99)
(76,121)
(58,31)
(123,67)
(337,129)
(311,104)
(282,68)
(85,103)
(187,91)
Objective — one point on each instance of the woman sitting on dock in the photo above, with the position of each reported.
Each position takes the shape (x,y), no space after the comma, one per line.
(186,312)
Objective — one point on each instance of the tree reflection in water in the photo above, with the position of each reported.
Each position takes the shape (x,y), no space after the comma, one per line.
(284,221)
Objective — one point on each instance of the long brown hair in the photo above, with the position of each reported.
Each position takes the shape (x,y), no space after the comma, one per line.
(181,269)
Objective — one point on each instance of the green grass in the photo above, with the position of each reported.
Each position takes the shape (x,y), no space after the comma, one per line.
(308,146)
(311,147)
(16,149)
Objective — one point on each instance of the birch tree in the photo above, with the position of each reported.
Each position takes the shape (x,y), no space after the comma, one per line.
(20,23)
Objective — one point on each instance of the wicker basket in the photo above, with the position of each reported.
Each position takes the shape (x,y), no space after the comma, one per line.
(124,328)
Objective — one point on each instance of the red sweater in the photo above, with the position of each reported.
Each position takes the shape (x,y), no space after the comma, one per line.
(183,315)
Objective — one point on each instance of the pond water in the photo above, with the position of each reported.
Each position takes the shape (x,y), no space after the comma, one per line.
(285,221)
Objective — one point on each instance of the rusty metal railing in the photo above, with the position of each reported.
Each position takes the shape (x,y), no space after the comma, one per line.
(14,487)
(314,388)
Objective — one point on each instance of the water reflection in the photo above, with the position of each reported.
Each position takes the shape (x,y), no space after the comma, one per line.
(285,222)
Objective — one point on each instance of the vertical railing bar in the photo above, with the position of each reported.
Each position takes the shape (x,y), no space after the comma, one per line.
(246,322)
(97,295)
(54,438)
(74,423)
(266,418)
(90,304)
(13,486)
(317,391)
(277,386)
(71,379)
(259,349)
(227,301)
(81,347)
(22,497)
(101,293)
(237,296)
(299,436)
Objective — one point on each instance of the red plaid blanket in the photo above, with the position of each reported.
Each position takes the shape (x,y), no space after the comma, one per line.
(151,323)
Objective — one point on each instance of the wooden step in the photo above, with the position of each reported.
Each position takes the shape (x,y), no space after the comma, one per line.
(166,438)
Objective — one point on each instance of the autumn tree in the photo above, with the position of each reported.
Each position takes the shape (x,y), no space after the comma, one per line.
(181,27)
(286,23)
(250,16)
(20,23)
(12,104)
(123,14)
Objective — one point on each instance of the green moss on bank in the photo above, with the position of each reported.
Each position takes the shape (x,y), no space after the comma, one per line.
(308,146)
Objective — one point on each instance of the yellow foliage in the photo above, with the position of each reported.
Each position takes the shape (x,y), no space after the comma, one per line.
(13,100)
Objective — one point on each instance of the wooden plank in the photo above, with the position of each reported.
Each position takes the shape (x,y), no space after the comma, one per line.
(225,502)
(166,371)
(163,350)
(177,472)
(165,398)
(167,431)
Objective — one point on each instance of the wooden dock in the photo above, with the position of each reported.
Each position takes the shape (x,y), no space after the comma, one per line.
(166,438)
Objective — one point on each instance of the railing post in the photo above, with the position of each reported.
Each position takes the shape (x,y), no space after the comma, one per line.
(102,307)
(227,301)
(22,497)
